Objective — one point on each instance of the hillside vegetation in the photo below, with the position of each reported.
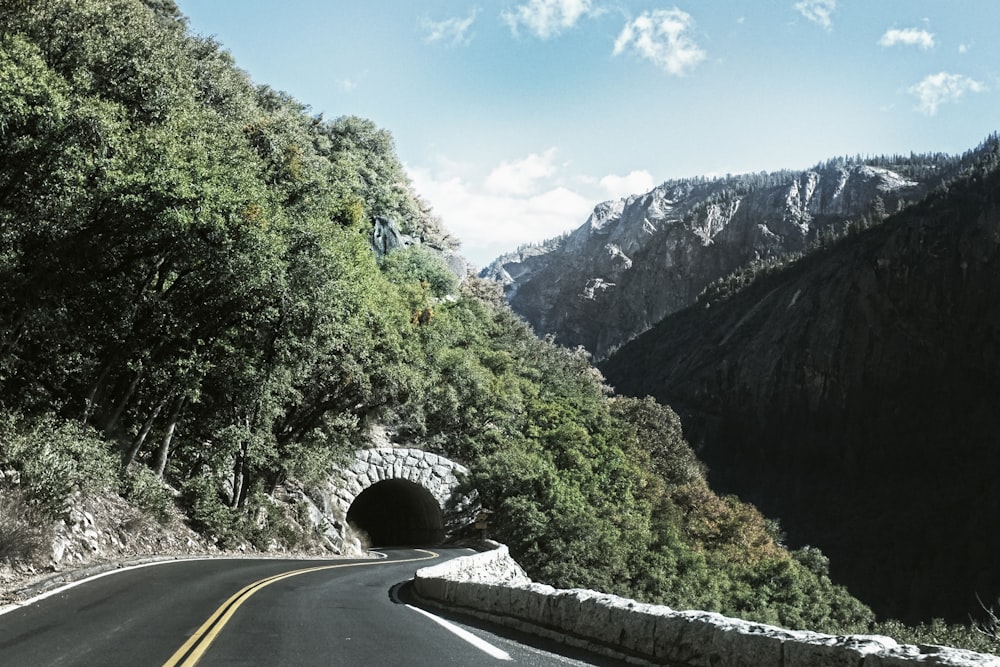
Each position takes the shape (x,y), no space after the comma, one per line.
(853,394)
(188,296)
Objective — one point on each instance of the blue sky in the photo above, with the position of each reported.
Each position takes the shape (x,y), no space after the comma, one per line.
(515,117)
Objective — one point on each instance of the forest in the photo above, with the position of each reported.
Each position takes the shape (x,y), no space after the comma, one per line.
(189,300)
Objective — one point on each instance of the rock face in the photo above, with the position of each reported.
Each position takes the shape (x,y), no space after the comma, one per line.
(854,396)
(386,238)
(636,260)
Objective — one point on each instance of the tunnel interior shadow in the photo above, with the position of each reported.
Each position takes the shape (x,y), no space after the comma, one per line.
(396,513)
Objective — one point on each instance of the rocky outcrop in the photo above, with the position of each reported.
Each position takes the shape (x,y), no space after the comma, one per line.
(853,396)
(491,585)
(636,260)
(386,238)
(94,530)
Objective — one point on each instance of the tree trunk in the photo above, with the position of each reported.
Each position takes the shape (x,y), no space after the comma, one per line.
(237,477)
(112,422)
(91,402)
(160,463)
(240,468)
(141,438)
(241,501)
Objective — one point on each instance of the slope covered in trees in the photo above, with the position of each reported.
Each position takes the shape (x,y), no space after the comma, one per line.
(188,294)
(853,394)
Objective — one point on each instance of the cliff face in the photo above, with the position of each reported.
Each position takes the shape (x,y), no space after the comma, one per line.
(639,259)
(855,396)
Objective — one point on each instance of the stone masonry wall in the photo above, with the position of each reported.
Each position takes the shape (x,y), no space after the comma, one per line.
(438,475)
(492,585)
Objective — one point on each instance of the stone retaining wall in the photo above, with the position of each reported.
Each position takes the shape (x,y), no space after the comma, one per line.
(493,586)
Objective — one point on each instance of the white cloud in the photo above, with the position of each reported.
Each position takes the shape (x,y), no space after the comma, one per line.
(937,89)
(491,220)
(636,182)
(453,31)
(818,11)
(522,177)
(660,36)
(907,37)
(547,18)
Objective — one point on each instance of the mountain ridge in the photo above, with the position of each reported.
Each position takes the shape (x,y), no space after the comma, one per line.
(852,394)
(636,260)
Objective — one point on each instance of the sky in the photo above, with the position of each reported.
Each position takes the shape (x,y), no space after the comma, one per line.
(514,118)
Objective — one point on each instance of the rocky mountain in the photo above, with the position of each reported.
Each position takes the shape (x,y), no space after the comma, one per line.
(855,395)
(636,260)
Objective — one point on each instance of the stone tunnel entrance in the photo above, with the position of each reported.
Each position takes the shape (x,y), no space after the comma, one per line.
(396,496)
(397,512)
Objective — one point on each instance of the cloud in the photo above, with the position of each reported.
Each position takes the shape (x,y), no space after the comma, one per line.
(636,182)
(547,18)
(491,220)
(907,37)
(523,176)
(660,36)
(940,88)
(818,11)
(452,32)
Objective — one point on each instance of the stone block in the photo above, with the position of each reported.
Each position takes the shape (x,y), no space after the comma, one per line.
(431,588)
(746,644)
(529,601)
(925,654)
(668,633)
(636,624)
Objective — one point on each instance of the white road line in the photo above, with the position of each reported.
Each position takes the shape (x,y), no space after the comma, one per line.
(73,584)
(483,646)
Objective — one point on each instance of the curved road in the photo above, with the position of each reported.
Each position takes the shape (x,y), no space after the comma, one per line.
(256,612)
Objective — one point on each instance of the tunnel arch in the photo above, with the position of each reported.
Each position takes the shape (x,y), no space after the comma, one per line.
(396,513)
(418,493)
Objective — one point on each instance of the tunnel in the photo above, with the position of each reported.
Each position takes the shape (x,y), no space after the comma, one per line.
(397,512)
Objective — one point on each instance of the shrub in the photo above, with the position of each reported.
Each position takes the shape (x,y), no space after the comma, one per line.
(55,459)
(25,532)
(209,514)
(145,490)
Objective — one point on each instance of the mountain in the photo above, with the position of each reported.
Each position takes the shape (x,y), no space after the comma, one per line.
(636,260)
(854,394)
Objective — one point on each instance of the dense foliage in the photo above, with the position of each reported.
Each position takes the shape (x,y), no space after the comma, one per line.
(188,290)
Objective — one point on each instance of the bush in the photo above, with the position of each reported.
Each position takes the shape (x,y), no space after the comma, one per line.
(145,490)
(55,459)
(25,532)
(209,514)
(936,632)
(419,264)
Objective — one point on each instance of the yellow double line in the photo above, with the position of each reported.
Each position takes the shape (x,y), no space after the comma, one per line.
(191,652)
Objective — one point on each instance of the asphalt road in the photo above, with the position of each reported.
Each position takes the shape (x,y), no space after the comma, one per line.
(259,612)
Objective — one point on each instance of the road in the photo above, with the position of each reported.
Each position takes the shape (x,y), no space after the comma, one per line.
(259,612)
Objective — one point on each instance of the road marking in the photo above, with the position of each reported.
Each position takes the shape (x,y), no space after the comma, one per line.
(462,633)
(191,652)
(73,584)
(481,644)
